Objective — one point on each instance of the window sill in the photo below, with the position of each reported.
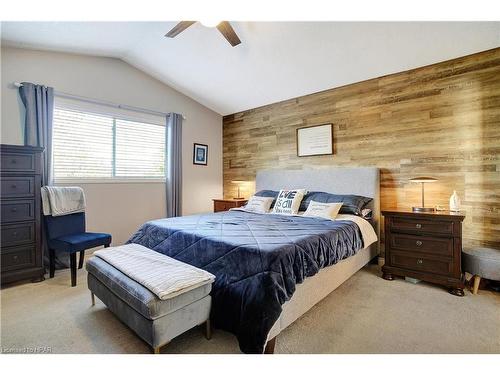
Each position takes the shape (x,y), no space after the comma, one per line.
(79,181)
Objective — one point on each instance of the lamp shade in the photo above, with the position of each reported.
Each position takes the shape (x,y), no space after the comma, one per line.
(423,179)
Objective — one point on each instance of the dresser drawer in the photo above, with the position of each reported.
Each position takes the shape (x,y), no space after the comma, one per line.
(421,226)
(18,234)
(18,257)
(18,210)
(422,244)
(416,263)
(18,187)
(18,162)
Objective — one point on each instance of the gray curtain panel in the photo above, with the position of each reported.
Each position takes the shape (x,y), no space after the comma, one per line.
(39,103)
(173,164)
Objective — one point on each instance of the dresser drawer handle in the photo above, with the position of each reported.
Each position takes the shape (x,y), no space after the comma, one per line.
(14,234)
(419,243)
(13,209)
(13,186)
(13,161)
(14,257)
(418,226)
(420,261)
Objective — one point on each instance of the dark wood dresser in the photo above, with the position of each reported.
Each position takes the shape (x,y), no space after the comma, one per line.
(21,237)
(226,204)
(426,246)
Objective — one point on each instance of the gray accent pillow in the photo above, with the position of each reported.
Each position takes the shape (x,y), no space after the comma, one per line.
(351,204)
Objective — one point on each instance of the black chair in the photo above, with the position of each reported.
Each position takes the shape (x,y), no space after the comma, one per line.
(67,233)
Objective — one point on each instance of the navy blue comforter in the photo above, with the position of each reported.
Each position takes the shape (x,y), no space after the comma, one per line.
(257,260)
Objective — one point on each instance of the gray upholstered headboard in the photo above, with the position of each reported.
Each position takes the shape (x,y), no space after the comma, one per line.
(359,181)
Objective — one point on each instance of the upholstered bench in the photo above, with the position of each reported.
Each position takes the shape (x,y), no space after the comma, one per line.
(154,320)
(481,262)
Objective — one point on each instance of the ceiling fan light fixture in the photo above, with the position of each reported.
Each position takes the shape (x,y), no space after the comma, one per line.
(210,22)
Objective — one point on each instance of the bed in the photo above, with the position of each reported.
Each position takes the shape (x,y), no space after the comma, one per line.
(270,269)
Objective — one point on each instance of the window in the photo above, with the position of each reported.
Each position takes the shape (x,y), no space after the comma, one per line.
(92,146)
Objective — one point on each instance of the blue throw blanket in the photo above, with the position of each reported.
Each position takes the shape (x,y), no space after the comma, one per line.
(257,260)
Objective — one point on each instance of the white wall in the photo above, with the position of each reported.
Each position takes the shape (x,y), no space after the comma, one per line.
(118,208)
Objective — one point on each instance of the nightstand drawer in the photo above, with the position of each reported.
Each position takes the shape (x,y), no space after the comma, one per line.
(226,204)
(221,206)
(422,244)
(416,263)
(421,226)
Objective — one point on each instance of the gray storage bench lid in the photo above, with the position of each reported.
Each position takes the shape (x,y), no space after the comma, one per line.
(137,296)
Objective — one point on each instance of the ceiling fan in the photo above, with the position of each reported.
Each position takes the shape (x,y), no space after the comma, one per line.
(224,27)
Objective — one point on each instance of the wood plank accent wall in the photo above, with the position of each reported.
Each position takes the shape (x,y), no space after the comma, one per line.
(441,120)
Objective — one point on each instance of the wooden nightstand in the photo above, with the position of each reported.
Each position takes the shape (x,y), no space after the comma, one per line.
(426,246)
(226,204)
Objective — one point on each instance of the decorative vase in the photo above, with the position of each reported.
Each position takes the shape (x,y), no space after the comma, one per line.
(454,202)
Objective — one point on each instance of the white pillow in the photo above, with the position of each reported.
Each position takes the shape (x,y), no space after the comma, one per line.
(324,210)
(288,201)
(259,204)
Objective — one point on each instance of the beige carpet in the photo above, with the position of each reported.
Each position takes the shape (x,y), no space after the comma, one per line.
(364,315)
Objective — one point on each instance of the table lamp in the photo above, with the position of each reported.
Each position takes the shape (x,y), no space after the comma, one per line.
(239,183)
(423,180)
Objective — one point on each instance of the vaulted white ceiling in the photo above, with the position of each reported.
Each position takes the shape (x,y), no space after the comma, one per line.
(274,62)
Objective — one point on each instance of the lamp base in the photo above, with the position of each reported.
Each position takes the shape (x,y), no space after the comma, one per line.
(423,209)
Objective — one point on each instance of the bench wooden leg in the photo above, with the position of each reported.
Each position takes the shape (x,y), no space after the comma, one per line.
(208,330)
(72,266)
(157,349)
(80,261)
(270,346)
(477,280)
(92,297)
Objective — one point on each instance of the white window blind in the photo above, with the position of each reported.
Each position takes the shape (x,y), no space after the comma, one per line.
(95,146)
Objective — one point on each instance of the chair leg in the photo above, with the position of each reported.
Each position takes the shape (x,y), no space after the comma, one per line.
(106,245)
(81,259)
(92,297)
(477,280)
(72,264)
(52,262)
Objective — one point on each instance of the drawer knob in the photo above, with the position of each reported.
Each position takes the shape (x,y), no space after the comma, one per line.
(13,209)
(14,234)
(420,261)
(419,243)
(14,257)
(13,161)
(418,226)
(13,186)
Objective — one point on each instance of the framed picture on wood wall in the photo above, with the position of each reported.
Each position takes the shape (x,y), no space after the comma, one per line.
(200,154)
(315,140)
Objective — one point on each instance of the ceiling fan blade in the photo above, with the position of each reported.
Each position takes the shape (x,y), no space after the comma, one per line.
(227,31)
(180,27)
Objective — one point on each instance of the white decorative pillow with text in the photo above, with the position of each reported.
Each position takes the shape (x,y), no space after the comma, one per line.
(259,204)
(288,201)
(324,210)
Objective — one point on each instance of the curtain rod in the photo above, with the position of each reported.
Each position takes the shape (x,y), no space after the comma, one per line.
(106,103)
